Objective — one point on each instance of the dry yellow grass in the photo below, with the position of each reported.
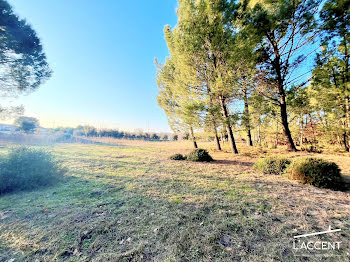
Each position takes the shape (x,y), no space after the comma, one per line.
(126,201)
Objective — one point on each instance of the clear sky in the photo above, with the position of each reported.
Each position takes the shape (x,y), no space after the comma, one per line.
(102,54)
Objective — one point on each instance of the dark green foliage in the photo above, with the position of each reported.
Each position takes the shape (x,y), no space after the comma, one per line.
(90,131)
(331,75)
(316,172)
(186,136)
(25,169)
(177,157)
(272,165)
(27,124)
(65,137)
(335,17)
(311,149)
(23,64)
(199,155)
(155,137)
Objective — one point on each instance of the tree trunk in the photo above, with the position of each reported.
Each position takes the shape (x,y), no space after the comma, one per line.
(226,116)
(282,102)
(249,138)
(345,141)
(313,127)
(301,130)
(193,138)
(276,138)
(345,136)
(217,140)
(218,146)
(247,118)
(347,98)
(286,130)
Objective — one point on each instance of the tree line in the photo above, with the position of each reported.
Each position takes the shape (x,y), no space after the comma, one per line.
(90,131)
(29,125)
(275,70)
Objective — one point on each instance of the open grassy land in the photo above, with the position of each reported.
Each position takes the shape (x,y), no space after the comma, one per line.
(128,202)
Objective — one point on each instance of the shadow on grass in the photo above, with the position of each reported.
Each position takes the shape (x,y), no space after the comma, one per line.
(233,162)
(120,219)
(346,178)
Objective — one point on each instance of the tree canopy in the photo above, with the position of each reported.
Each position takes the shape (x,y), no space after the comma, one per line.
(23,63)
(27,124)
(244,67)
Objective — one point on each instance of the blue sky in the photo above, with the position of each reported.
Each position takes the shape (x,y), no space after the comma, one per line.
(102,54)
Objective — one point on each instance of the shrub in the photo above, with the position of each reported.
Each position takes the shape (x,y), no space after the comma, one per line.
(155,137)
(177,157)
(65,137)
(199,155)
(311,149)
(316,172)
(24,169)
(272,165)
(27,124)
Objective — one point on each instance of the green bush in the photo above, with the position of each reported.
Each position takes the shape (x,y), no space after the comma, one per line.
(177,157)
(272,165)
(316,172)
(25,169)
(65,137)
(199,155)
(311,149)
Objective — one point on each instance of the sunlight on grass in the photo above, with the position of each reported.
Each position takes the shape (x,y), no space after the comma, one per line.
(130,202)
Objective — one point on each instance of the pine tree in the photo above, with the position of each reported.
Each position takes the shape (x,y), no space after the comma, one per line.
(180,105)
(23,64)
(282,29)
(206,48)
(331,76)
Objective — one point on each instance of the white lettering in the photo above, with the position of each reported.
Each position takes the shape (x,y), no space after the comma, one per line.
(317,242)
(338,244)
(303,245)
(318,245)
(308,245)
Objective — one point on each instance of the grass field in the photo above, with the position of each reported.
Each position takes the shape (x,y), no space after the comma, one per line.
(125,201)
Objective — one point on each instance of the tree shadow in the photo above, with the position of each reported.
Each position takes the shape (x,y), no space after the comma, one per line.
(95,219)
(233,162)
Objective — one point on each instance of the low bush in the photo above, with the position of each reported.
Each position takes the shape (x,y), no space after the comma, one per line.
(316,172)
(272,165)
(65,137)
(199,155)
(25,169)
(311,149)
(177,157)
